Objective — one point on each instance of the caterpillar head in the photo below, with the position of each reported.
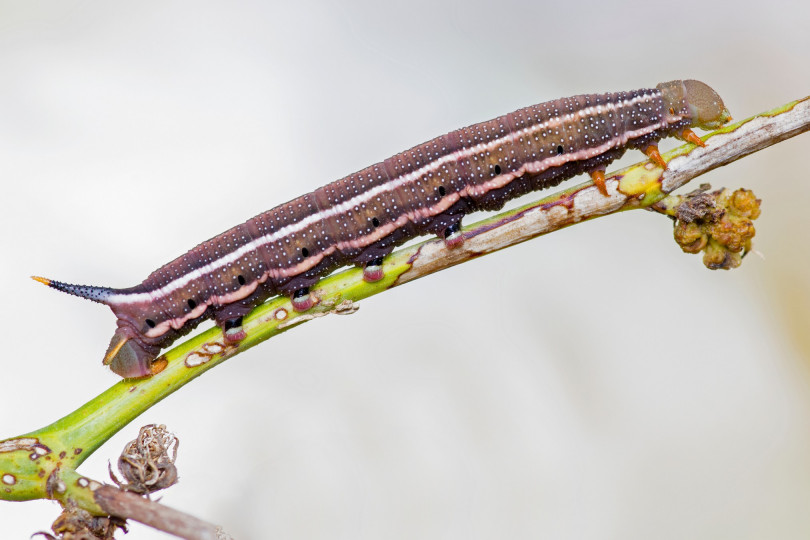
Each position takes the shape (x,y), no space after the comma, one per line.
(697,101)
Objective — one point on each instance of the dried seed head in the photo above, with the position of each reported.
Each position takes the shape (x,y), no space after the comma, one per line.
(75,523)
(147,463)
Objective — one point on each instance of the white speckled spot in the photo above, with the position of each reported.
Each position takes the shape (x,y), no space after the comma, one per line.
(83,482)
(280,314)
(213,348)
(195,359)
(9,479)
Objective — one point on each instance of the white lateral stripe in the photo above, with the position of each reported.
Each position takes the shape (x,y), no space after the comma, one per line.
(381,232)
(395,183)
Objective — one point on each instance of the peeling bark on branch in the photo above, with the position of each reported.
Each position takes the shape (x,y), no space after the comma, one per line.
(130,506)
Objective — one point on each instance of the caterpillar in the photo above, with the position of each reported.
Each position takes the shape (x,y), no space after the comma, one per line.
(361,218)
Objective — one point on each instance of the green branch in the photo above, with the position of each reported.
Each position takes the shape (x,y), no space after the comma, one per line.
(42,464)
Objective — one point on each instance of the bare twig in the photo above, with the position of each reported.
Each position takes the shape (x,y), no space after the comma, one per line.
(119,503)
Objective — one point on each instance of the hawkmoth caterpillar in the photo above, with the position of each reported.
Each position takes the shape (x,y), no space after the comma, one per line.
(361,218)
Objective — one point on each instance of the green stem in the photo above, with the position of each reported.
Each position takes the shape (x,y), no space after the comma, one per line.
(55,451)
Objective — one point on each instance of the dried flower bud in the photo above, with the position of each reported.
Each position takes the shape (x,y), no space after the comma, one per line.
(147,463)
(75,523)
(719,223)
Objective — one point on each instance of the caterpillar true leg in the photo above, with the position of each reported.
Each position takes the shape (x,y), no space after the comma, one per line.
(655,156)
(690,136)
(598,177)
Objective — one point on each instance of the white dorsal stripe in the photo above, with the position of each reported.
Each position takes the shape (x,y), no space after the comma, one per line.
(444,204)
(395,183)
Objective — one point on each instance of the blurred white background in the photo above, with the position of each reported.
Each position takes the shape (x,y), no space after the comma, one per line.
(595,383)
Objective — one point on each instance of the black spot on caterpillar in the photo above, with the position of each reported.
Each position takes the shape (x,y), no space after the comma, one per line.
(425,190)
